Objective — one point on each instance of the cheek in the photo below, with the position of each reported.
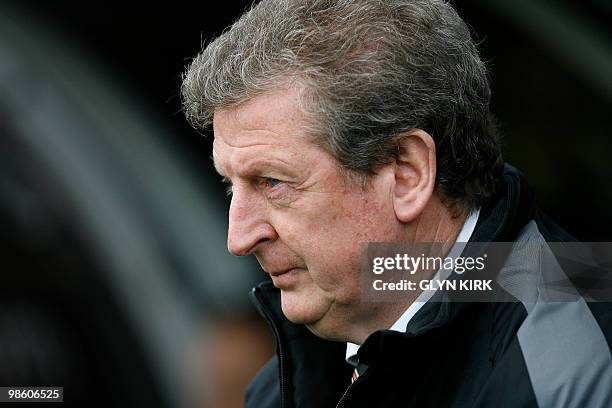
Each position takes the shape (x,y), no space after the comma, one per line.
(337,229)
(333,239)
(328,236)
(362,219)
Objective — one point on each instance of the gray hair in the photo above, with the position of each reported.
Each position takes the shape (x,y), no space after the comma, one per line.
(369,71)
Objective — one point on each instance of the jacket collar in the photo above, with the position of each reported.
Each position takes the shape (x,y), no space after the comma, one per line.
(312,370)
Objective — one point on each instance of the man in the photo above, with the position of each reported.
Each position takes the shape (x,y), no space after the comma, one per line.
(340,123)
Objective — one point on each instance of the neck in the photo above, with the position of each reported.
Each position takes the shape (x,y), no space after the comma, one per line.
(437,224)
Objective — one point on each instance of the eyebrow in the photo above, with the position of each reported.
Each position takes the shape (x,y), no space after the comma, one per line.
(256,169)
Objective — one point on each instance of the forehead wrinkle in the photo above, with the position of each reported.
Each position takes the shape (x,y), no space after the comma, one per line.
(271,131)
(274,139)
(220,160)
(246,161)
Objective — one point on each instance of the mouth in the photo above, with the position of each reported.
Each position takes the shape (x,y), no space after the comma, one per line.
(285,279)
(279,273)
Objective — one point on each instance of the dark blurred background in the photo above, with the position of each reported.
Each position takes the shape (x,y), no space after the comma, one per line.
(115,279)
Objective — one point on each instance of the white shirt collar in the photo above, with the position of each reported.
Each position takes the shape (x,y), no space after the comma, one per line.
(400,325)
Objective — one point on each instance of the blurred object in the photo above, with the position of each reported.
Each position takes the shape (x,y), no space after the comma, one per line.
(238,348)
(552,94)
(114,256)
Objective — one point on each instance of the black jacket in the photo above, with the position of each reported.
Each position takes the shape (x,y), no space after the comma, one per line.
(454,354)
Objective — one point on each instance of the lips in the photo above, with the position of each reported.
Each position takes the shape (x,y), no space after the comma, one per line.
(280,272)
(286,279)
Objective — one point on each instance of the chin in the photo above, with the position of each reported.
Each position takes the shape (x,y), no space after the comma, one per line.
(300,308)
(314,313)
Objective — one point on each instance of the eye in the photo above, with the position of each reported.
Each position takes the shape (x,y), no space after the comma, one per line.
(277,192)
(270,185)
(272,182)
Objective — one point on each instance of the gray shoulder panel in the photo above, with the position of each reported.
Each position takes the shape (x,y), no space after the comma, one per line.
(565,351)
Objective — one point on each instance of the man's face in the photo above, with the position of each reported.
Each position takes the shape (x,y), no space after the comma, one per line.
(296,212)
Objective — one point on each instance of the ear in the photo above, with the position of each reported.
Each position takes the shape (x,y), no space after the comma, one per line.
(415,174)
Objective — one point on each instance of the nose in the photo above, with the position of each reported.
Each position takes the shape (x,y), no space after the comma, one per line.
(248,224)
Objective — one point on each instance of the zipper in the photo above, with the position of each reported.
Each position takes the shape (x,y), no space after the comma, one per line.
(345,395)
(350,387)
(348,391)
(282,363)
